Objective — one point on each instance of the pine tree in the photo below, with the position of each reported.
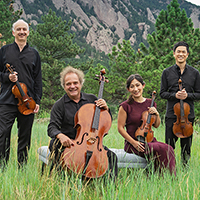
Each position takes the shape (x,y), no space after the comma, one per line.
(7,17)
(54,44)
(92,79)
(172,25)
(124,62)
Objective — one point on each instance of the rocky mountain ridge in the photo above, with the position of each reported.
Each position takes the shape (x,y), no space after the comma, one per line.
(106,22)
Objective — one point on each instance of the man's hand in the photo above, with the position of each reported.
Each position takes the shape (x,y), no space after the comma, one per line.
(181,94)
(13,77)
(37,107)
(64,140)
(102,104)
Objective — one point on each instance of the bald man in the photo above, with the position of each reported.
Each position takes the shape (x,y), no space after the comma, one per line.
(27,69)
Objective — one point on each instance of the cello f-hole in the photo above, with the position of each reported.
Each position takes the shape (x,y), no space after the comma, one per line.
(98,143)
(79,143)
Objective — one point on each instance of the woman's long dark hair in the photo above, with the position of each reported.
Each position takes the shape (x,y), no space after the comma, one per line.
(128,83)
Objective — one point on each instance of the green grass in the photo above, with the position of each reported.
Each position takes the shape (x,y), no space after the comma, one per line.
(131,183)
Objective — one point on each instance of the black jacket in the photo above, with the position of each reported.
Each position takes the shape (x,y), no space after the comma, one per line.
(27,64)
(169,87)
(63,112)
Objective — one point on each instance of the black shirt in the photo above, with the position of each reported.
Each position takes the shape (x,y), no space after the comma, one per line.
(169,87)
(27,64)
(63,112)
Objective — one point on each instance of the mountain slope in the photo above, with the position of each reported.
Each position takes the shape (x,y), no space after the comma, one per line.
(103,23)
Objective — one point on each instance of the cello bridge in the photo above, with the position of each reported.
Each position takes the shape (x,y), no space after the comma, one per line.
(91,140)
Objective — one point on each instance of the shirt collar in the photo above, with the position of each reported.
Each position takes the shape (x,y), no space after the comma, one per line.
(83,97)
(178,68)
(26,46)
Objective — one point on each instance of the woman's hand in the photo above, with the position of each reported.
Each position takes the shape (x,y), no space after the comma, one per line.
(153,110)
(139,146)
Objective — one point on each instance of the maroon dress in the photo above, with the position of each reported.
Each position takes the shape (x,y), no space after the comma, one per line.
(162,154)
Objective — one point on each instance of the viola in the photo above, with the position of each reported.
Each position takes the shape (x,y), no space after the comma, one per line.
(87,156)
(182,128)
(144,133)
(26,105)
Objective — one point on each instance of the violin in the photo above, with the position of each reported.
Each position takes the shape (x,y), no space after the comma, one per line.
(144,133)
(26,105)
(182,128)
(87,156)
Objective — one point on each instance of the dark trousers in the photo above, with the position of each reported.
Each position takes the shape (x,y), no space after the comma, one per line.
(8,114)
(171,139)
(56,149)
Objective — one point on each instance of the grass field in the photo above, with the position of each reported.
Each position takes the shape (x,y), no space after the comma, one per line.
(28,184)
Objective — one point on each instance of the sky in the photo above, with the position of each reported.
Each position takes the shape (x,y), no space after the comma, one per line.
(197,2)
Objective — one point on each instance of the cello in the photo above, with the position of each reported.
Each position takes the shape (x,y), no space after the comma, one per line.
(87,156)
(144,133)
(182,128)
(26,105)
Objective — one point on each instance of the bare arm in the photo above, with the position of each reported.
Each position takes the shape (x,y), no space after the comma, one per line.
(122,116)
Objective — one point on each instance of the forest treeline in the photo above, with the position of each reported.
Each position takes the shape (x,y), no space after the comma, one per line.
(58,48)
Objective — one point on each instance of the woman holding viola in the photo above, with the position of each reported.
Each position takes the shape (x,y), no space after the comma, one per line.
(129,120)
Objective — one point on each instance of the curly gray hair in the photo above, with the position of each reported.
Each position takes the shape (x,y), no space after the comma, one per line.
(70,69)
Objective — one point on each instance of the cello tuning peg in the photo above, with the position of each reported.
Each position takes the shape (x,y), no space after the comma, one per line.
(106,80)
(103,71)
(96,79)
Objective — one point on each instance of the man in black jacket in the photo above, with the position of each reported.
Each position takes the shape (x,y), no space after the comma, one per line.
(170,90)
(27,69)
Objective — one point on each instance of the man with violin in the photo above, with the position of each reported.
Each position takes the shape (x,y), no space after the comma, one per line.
(20,69)
(62,128)
(180,98)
